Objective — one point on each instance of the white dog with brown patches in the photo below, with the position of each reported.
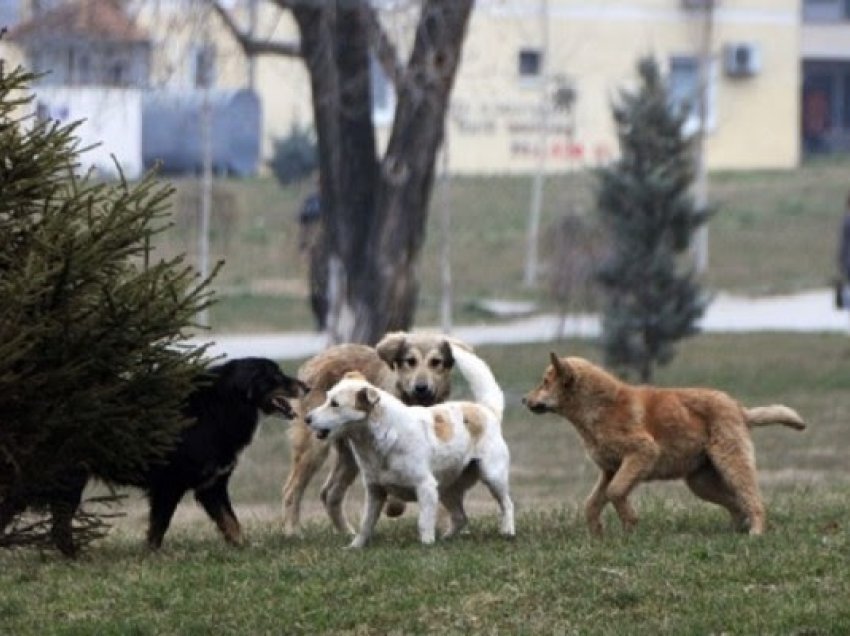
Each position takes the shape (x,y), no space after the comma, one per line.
(427,454)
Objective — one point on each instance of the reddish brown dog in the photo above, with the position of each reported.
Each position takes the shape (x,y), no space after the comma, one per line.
(642,433)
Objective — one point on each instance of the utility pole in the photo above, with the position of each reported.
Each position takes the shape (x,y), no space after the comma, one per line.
(531,265)
(252,32)
(206,125)
(446,251)
(701,182)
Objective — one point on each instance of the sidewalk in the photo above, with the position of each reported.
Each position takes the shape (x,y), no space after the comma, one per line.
(808,311)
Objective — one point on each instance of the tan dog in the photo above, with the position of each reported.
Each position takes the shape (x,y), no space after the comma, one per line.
(641,433)
(415,367)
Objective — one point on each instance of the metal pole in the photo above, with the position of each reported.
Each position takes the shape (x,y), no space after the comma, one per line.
(446,252)
(252,31)
(530,277)
(701,182)
(207,167)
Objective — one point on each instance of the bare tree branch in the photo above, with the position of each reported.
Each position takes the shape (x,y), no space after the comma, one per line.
(382,46)
(251,46)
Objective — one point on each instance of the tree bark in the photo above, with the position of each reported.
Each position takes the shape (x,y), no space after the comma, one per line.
(376,210)
(407,172)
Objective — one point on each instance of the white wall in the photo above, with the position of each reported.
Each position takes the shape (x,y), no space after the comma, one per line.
(112,122)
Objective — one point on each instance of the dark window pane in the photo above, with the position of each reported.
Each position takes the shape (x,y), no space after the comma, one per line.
(205,66)
(529,63)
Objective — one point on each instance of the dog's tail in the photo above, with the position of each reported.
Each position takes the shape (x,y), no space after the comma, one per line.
(482,383)
(774,414)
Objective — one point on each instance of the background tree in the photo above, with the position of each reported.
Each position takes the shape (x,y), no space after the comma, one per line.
(653,297)
(574,247)
(375,208)
(92,370)
(294,157)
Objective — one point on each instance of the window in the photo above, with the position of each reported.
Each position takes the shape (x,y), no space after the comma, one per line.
(117,74)
(683,84)
(42,112)
(826,10)
(70,69)
(204,66)
(84,74)
(383,95)
(530,63)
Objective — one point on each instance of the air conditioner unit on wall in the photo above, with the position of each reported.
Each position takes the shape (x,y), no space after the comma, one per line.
(699,4)
(741,59)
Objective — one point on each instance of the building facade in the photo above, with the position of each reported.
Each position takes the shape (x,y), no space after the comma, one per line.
(538,77)
(506,82)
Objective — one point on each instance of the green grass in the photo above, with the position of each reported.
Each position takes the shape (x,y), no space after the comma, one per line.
(773,232)
(682,572)
(678,574)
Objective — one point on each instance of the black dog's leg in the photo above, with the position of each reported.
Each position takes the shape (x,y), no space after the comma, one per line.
(163,502)
(216,502)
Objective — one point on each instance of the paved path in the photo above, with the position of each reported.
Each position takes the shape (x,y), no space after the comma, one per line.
(808,311)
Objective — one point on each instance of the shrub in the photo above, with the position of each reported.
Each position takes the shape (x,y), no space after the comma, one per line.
(295,156)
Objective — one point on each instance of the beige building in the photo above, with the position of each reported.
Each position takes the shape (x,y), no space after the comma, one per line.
(537,74)
(592,48)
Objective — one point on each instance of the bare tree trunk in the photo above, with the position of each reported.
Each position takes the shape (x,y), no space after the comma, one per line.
(336,52)
(375,214)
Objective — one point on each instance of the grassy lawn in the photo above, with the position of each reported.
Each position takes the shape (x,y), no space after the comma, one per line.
(681,572)
(774,232)
(678,574)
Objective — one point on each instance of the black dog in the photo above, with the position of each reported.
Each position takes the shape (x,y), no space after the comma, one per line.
(226,413)
(225,407)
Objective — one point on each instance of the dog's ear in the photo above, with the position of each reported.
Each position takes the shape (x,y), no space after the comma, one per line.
(563,370)
(390,347)
(446,350)
(446,354)
(367,397)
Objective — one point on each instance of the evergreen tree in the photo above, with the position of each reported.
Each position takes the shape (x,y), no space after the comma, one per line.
(653,297)
(93,367)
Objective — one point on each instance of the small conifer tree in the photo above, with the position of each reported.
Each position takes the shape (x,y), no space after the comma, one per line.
(93,363)
(653,297)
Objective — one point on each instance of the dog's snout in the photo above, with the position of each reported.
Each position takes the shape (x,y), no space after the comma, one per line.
(308,419)
(422,389)
(535,407)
